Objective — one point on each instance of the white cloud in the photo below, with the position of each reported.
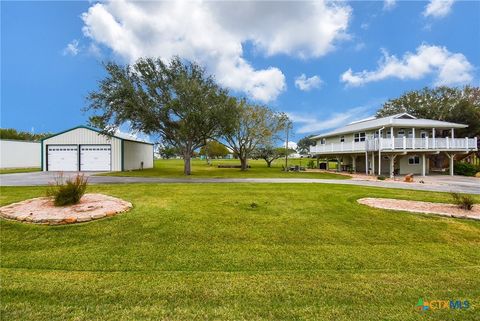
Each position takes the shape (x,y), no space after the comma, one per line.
(306,84)
(313,124)
(449,68)
(94,50)
(72,48)
(359,46)
(389,4)
(438,8)
(213,34)
(291,145)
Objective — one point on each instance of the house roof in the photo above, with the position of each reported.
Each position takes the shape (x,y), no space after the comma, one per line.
(402,120)
(98,131)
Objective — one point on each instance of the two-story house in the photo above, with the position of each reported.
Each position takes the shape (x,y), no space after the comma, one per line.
(398,144)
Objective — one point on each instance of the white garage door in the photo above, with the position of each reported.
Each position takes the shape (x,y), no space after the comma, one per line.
(95,157)
(63,158)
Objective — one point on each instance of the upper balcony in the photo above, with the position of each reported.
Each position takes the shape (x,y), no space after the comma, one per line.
(399,144)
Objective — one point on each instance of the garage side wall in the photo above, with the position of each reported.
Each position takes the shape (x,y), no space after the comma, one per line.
(135,154)
(83,136)
(19,154)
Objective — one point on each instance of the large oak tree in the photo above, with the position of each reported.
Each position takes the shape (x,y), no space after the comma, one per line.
(176,101)
(250,127)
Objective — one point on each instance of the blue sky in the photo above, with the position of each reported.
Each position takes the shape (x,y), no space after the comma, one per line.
(353,55)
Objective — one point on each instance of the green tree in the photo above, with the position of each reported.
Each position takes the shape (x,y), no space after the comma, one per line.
(250,127)
(270,153)
(213,149)
(10,133)
(168,152)
(458,105)
(176,101)
(303,145)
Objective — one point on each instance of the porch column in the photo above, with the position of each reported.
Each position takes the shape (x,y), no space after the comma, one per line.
(451,158)
(373,163)
(392,165)
(338,164)
(424,166)
(366,163)
(354,163)
(413,137)
(451,164)
(433,138)
(379,162)
(392,138)
(453,133)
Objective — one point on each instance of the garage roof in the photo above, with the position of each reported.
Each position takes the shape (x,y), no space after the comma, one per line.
(98,131)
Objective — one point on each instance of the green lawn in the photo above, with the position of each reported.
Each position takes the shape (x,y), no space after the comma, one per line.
(240,252)
(19,170)
(173,168)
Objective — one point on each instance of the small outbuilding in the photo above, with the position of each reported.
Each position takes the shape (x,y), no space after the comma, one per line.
(83,148)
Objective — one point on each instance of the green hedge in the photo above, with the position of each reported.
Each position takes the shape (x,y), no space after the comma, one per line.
(465,169)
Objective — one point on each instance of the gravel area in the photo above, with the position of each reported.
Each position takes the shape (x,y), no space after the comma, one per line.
(443,209)
(42,211)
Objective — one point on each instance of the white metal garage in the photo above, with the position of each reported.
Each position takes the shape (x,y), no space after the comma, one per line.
(86,149)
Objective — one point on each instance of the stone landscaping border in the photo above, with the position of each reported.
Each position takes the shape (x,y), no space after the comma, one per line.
(41,210)
(442,209)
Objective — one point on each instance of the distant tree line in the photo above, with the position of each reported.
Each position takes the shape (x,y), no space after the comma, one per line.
(10,133)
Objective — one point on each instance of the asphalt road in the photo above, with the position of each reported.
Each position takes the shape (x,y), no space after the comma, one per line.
(432,183)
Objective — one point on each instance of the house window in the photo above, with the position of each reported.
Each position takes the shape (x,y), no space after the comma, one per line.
(342,139)
(359,137)
(322,141)
(423,134)
(414,160)
(401,133)
(410,134)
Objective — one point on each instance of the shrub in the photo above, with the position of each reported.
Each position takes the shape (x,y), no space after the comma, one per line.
(381,178)
(464,201)
(69,191)
(311,164)
(465,169)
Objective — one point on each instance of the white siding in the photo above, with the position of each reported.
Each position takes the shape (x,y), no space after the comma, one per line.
(19,154)
(406,168)
(136,153)
(82,136)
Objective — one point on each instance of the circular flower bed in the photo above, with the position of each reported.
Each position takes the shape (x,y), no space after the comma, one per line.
(42,211)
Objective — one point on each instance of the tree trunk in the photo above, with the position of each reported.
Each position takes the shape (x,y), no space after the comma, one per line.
(243,162)
(187,168)
(269,163)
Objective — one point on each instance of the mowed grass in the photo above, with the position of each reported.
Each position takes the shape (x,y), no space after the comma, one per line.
(19,170)
(173,168)
(241,252)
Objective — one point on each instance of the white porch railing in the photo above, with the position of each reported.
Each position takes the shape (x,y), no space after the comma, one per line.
(401,143)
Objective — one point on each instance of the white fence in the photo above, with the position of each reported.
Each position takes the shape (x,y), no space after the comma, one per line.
(398,144)
(19,154)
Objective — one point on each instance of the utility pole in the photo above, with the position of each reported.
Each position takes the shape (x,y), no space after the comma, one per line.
(286,152)
(286,145)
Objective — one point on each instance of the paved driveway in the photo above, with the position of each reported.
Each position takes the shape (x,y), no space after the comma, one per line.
(437,183)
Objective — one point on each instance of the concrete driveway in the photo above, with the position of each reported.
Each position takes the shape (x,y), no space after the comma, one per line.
(436,183)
